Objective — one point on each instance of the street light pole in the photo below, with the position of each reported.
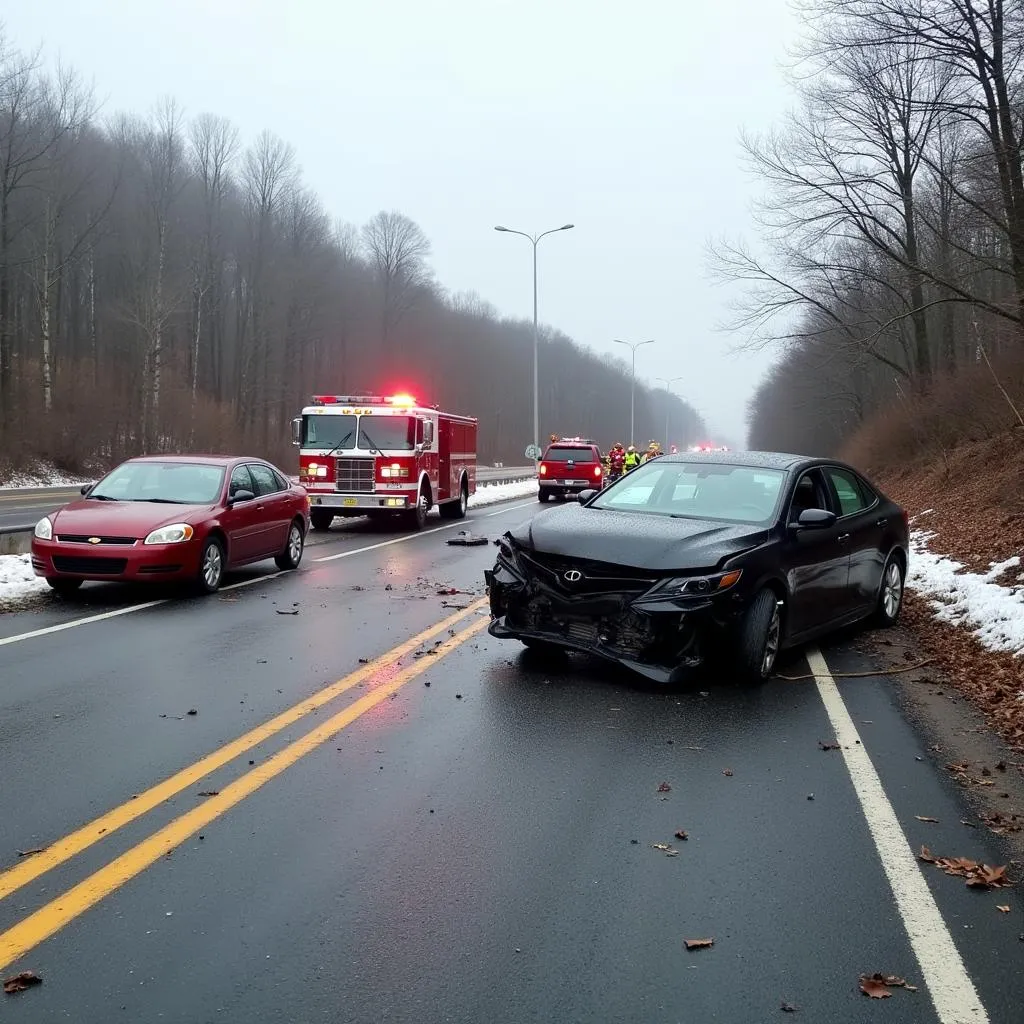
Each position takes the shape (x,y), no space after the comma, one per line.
(668,382)
(534,239)
(634,345)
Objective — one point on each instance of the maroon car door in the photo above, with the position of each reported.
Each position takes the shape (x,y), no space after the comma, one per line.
(242,518)
(274,503)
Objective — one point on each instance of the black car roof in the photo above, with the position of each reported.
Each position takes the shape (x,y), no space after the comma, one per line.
(759,460)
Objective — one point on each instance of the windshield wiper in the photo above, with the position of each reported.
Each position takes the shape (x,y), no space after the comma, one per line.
(165,501)
(373,447)
(100,497)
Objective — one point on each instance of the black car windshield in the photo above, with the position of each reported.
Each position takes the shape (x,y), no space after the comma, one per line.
(697,490)
(569,455)
(179,483)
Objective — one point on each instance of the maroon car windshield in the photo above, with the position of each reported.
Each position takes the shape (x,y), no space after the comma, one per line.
(175,483)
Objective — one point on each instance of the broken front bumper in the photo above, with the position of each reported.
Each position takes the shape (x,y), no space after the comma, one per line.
(662,640)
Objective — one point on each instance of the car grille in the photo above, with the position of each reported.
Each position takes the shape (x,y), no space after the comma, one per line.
(75,538)
(596,577)
(87,566)
(354,476)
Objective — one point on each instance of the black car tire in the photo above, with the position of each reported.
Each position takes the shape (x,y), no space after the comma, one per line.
(890,594)
(211,566)
(294,546)
(320,520)
(543,496)
(62,586)
(757,639)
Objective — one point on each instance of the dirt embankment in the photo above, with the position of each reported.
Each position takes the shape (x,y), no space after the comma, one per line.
(970,499)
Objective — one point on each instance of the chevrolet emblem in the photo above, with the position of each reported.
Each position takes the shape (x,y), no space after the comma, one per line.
(94,540)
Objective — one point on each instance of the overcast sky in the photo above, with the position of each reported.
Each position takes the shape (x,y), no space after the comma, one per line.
(621,118)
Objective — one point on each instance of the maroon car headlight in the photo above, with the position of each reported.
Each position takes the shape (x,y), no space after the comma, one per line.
(44,529)
(176,533)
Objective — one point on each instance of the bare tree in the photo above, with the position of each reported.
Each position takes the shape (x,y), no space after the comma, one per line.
(397,250)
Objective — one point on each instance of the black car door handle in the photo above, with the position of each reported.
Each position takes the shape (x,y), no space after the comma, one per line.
(881,522)
(843,538)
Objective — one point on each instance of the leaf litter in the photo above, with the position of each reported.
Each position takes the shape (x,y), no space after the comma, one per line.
(877,985)
(21,982)
(699,943)
(978,875)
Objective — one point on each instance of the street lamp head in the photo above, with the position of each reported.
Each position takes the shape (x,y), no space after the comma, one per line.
(566,227)
(500,227)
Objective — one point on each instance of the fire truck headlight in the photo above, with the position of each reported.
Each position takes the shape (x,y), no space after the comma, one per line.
(314,469)
(394,472)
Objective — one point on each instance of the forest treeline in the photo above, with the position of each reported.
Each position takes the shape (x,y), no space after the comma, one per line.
(165,286)
(889,269)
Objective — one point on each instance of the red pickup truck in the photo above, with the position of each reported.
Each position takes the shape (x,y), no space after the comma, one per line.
(569,466)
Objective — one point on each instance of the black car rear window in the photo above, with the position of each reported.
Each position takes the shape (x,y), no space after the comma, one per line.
(570,455)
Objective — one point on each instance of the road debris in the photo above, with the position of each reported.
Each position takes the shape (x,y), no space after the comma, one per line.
(467,540)
(828,746)
(787,1008)
(921,817)
(682,834)
(699,943)
(877,985)
(727,771)
(979,876)
(1002,908)
(861,675)
(664,788)
(209,792)
(32,852)
(287,611)
(666,849)
(192,711)
(21,982)
(1001,824)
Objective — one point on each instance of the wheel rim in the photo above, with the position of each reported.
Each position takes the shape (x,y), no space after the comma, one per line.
(892,591)
(771,642)
(464,500)
(295,544)
(212,565)
(421,508)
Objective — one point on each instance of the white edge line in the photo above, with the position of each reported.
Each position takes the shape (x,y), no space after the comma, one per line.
(60,627)
(945,975)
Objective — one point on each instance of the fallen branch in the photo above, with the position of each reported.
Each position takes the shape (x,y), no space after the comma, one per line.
(862,675)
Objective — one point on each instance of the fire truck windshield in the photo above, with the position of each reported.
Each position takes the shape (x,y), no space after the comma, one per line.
(383,433)
(387,433)
(328,431)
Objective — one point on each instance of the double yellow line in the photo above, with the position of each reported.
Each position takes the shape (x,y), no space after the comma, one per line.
(48,919)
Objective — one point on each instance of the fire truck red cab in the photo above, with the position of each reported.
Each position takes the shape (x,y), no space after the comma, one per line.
(372,455)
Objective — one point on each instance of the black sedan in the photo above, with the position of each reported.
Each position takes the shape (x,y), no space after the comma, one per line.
(744,553)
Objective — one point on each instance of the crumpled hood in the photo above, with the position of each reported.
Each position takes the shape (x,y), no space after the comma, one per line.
(121,518)
(649,542)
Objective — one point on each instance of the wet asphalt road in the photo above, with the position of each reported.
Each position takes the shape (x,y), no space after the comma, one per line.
(22,507)
(475,849)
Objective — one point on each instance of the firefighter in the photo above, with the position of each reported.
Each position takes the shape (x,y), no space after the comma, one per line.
(616,461)
(632,459)
(653,451)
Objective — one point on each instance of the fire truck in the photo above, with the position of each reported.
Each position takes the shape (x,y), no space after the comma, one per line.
(372,455)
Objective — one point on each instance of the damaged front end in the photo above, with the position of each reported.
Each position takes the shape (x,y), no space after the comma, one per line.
(657,625)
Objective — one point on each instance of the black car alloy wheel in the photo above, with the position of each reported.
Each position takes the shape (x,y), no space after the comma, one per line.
(759,638)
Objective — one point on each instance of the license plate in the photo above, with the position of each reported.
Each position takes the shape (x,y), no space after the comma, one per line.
(350,502)
(579,483)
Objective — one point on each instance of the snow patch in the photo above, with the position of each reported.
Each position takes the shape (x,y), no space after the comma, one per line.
(994,614)
(17,580)
(493,494)
(43,476)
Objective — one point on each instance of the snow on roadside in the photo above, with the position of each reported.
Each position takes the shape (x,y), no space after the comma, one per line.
(492,494)
(44,476)
(993,613)
(17,581)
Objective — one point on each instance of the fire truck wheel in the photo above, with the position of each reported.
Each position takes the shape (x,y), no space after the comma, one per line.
(456,509)
(416,517)
(320,520)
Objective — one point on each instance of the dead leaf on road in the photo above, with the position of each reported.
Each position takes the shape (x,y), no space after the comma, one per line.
(22,981)
(682,834)
(1002,908)
(979,876)
(877,985)
(727,771)
(699,943)
(921,817)
(664,788)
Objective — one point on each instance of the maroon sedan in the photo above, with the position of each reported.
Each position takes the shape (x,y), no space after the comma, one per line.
(176,517)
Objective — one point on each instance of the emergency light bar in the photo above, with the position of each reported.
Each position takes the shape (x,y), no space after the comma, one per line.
(364,400)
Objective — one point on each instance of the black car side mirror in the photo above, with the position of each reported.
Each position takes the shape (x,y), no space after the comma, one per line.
(816,519)
(585,496)
(240,496)
(85,489)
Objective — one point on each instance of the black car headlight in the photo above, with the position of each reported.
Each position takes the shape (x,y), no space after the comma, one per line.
(695,586)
